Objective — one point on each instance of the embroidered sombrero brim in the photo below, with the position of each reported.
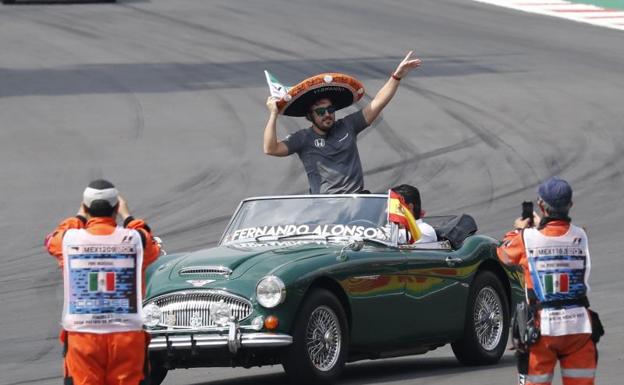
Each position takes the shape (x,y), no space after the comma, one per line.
(343,90)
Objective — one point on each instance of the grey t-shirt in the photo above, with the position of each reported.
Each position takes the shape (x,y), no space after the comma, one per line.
(332,162)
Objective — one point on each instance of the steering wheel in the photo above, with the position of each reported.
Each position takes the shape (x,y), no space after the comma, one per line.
(362,222)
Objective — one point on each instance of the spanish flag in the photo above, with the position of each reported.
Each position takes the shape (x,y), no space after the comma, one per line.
(399,213)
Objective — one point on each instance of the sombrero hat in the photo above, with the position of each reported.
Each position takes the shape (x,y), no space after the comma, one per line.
(343,90)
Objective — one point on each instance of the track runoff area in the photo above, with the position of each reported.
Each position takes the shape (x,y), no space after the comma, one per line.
(604,13)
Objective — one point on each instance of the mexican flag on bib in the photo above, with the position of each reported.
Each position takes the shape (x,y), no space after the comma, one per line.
(556,283)
(102,282)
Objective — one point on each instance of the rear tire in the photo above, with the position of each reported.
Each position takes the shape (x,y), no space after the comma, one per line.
(320,341)
(486,328)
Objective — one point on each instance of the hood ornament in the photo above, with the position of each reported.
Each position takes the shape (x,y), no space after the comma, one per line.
(200,282)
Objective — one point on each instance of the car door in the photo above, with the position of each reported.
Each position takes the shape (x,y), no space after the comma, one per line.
(371,278)
(436,291)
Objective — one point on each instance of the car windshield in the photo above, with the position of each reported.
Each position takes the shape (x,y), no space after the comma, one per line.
(308,217)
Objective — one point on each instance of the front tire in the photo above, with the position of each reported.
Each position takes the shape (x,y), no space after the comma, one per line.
(320,341)
(157,373)
(486,328)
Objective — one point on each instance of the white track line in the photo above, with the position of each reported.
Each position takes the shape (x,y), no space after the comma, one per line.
(584,13)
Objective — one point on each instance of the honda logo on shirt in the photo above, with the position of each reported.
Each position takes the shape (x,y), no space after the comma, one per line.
(320,142)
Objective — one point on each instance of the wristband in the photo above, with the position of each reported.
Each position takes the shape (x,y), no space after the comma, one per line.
(393,76)
(127,221)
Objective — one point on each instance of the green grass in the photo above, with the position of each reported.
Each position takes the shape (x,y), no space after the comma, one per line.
(616,4)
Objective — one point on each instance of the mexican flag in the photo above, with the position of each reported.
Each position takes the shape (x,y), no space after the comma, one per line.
(399,212)
(102,281)
(276,88)
(556,283)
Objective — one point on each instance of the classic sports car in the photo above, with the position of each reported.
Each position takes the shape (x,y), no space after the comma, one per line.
(313,282)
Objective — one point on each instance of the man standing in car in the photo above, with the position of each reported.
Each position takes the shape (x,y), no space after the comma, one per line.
(556,263)
(103,266)
(328,149)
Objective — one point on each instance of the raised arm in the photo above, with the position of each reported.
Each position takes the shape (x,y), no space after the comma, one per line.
(151,249)
(54,241)
(385,94)
(271,145)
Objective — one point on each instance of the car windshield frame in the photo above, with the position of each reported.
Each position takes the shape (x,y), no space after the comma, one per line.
(224,240)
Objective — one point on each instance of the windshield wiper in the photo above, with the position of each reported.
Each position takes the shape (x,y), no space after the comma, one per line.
(376,241)
(354,241)
(270,237)
(261,237)
(297,236)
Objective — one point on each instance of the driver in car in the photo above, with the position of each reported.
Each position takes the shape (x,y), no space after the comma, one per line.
(411,195)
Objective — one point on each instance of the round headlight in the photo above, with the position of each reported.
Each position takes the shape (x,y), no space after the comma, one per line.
(270,291)
(151,315)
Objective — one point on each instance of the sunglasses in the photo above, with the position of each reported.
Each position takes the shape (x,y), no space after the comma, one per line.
(322,110)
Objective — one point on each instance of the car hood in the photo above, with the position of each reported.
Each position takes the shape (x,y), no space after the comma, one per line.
(218,267)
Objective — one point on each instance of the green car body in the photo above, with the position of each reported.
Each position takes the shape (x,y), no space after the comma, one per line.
(397,299)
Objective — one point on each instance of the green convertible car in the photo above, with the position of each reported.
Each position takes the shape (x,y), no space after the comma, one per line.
(314,281)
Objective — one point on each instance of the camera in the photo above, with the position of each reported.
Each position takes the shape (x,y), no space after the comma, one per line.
(527,212)
(531,334)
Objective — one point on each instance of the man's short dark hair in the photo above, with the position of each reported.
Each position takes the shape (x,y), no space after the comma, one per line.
(556,212)
(411,195)
(101,208)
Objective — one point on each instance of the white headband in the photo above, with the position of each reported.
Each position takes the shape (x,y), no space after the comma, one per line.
(91,194)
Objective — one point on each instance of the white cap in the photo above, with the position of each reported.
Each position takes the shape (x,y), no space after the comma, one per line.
(100,190)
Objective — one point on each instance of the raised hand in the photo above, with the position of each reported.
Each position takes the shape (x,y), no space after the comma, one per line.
(123,210)
(271,104)
(407,65)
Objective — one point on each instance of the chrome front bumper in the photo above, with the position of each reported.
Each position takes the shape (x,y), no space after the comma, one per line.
(230,337)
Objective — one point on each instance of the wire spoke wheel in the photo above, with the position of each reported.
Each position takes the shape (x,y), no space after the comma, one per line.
(320,340)
(486,326)
(323,338)
(488,318)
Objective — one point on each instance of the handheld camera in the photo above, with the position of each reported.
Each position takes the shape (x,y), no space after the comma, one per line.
(527,212)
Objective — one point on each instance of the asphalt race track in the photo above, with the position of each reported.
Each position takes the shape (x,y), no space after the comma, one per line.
(167,100)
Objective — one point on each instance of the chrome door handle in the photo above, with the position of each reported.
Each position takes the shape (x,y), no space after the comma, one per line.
(451,261)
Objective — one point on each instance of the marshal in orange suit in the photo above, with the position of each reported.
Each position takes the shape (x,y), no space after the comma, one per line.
(103,265)
(556,263)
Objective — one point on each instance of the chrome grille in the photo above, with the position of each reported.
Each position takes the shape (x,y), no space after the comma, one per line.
(191,309)
(205,270)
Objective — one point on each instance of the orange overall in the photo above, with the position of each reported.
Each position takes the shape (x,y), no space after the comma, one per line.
(116,358)
(576,352)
